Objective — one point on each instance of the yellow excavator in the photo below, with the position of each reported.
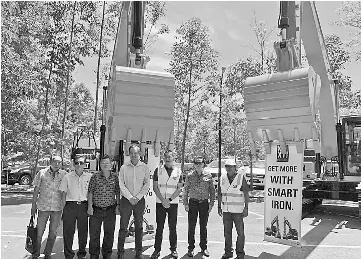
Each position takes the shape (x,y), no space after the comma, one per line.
(274,229)
(301,102)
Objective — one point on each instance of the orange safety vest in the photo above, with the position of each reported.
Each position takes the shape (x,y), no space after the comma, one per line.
(168,184)
(232,196)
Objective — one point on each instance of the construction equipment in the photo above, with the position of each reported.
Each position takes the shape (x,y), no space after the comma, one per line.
(274,230)
(139,103)
(301,103)
(85,143)
(292,233)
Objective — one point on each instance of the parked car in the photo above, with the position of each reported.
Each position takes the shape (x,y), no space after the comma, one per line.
(212,168)
(22,174)
(258,171)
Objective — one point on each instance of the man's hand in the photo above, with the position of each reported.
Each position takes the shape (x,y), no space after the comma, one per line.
(245,212)
(220,213)
(210,207)
(117,209)
(33,210)
(90,210)
(133,200)
(166,203)
(186,207)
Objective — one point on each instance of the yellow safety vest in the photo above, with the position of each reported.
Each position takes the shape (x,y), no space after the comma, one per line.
(232,196)
(168,184)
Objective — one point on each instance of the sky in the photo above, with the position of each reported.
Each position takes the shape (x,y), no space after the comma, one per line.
(230,32)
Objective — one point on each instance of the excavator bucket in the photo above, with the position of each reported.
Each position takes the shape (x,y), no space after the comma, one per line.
(283,103)
(140,106)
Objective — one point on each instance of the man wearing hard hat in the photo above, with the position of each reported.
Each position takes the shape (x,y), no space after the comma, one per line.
(233,207)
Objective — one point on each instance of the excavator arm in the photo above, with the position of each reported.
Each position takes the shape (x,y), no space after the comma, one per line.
(296,102)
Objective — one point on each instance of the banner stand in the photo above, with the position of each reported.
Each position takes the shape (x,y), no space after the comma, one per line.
(283,192)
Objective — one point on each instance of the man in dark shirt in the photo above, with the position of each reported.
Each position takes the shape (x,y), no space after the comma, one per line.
(167,185)
(103,203)
(198,198)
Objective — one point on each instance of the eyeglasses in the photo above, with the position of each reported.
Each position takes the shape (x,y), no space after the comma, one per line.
(198,163)
(79,163)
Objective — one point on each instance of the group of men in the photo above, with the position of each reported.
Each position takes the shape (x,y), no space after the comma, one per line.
(89,201)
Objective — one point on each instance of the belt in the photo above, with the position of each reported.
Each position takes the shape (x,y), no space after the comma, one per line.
(77,202)
(104,208)
(198,201)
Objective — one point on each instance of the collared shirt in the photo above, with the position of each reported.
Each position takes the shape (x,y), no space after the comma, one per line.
(49,196)
(104,189)
(199,187)
(76,187)
(134,180)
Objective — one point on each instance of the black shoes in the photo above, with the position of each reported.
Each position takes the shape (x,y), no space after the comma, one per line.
(205,252)
(155,255)
(224,256)
(174,254)
(138,256)
(190,253)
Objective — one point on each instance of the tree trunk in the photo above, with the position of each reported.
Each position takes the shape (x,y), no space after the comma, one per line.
(187,119)
(44,120)
(67,83)
(98,72)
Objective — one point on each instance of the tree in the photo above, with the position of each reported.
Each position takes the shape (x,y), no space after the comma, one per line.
(192,58)
(350,12)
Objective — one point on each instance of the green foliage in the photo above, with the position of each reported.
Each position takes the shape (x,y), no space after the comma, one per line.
(350,12)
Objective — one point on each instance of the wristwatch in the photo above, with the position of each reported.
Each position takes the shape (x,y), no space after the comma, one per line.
(169,199)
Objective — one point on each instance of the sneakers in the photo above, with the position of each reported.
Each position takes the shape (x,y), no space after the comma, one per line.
(155,255)
(174,254)
(190,253)
(205,252)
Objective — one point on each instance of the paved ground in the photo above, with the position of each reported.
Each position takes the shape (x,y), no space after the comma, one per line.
(332,231)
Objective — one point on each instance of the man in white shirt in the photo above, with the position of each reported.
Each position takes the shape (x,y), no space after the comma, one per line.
(134,181)
(75,190)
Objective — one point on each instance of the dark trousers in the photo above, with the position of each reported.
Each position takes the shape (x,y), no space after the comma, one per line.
(75,213)
(196,208)
(228,220)
(107,218)
(126,210)
(161,214)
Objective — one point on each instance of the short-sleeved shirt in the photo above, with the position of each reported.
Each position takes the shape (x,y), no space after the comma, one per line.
(76,187)
(199,187)
(49,196)
(169,171)
(103,189)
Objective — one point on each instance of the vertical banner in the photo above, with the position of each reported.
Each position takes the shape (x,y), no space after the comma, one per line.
(149,221)
(283,195)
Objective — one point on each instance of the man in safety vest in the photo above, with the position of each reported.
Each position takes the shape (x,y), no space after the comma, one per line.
(167,185)
(233,206)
